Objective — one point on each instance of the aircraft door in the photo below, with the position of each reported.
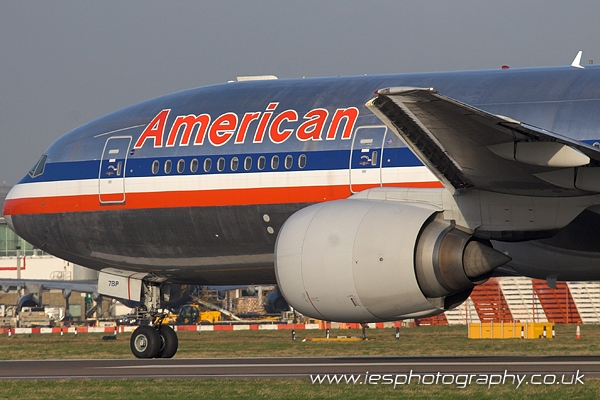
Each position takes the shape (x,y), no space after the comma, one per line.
(365,157)
(111,179)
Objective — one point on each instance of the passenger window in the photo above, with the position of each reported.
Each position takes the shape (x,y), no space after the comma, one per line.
(302,161)
(289,161)
(234,163)
(221,164)
(39,167)
(155,166)
(248,163)
(262,161)
(275,162)
(168,166)
(194,166)
(180,166)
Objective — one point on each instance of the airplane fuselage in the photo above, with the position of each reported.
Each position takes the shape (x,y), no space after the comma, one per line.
(195,185)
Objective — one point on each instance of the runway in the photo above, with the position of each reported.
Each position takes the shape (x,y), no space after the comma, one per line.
(292,367)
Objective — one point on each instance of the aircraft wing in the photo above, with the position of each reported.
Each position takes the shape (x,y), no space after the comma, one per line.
(467,147)
(78,286)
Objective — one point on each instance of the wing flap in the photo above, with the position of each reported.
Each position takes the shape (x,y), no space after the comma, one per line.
(467,147)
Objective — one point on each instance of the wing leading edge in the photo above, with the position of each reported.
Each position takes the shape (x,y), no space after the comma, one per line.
(78,286)
(466,147)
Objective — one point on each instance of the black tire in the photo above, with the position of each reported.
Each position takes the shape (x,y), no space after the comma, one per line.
(168,342)
(145,342)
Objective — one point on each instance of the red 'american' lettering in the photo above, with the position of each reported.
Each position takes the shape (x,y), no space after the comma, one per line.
(277,127)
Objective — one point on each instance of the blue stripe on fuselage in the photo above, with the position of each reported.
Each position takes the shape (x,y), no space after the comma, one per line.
(142,167)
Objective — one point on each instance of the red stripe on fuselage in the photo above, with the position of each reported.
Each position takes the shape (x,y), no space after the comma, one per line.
(199,198)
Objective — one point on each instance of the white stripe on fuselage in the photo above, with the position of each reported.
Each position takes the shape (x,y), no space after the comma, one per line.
(172,183)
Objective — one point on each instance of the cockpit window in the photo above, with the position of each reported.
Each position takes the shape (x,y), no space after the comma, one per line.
(38,168)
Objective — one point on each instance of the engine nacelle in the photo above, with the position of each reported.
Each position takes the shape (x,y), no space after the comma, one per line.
(365,261)
(275,302)
(28,300)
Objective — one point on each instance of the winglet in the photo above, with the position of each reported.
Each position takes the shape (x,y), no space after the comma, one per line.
(577,61)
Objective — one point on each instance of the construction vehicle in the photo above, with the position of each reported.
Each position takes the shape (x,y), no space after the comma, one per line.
(168,319)
(190,314)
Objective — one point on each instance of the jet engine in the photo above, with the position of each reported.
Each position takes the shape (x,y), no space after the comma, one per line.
(361,260)
(275,302)
(28,300)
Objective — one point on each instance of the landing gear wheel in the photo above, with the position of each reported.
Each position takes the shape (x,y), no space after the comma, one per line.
(168,342)
(145,342)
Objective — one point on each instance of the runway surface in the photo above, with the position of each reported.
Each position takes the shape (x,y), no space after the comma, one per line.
(294,367)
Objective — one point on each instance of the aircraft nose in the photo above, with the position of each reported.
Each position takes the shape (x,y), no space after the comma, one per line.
(8,220)
(6,210)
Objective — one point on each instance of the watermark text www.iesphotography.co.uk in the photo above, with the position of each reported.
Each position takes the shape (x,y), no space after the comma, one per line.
(458,380)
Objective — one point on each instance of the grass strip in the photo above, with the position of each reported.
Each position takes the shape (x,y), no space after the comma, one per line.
(422,341)
(275,389)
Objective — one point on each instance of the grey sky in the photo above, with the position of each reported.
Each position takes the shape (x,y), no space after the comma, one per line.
(64,63)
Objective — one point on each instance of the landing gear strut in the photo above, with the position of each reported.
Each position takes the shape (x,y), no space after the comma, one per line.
(156,340)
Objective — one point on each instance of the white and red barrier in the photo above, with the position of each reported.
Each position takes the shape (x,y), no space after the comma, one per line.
(198,328)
